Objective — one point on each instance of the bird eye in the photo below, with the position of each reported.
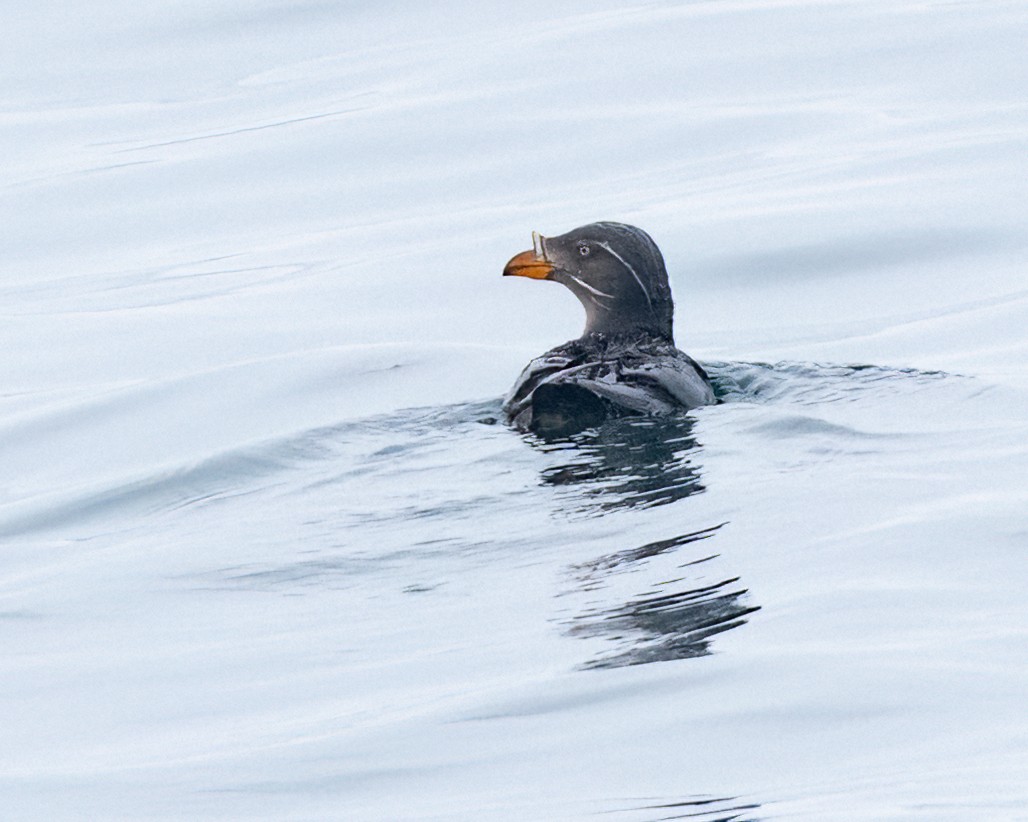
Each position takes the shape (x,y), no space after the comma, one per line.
(583,249)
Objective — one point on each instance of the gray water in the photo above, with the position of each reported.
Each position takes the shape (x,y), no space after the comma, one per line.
(267,549)
(363,615)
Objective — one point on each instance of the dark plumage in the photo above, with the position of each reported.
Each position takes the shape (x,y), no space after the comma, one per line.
(626,362)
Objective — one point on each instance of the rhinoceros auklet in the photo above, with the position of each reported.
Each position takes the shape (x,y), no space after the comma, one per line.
(625,363)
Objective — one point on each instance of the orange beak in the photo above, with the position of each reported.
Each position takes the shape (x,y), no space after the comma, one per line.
(527,264)
(532,263)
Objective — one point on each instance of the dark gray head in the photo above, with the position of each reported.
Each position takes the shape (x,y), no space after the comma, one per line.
(616,270)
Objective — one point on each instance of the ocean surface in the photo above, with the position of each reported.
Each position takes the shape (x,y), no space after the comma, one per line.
(267,548)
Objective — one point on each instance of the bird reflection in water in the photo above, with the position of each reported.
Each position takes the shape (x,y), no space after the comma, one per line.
(673,620)
(625,462)
(645,462)
(695,809)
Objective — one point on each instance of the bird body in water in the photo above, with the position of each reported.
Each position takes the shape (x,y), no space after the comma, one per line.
(626,362)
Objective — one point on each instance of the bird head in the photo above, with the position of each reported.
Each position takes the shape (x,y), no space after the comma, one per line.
(615,270)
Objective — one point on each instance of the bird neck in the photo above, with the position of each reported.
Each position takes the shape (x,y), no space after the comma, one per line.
(625,338)
(648,325)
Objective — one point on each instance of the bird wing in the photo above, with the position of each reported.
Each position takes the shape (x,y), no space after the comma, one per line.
(534,374)
(678,377)
(646,380)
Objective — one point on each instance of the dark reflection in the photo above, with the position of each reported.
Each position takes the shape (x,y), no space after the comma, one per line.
(699,808)
(665,626)
(639,463)
(674,620)
(626,462)
(589,570)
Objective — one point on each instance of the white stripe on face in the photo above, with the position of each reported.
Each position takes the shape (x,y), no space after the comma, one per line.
(600,295)
(606,247)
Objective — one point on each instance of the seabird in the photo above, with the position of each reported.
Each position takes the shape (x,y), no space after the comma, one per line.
(626,362)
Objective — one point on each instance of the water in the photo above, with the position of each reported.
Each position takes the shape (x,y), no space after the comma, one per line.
(267,551)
